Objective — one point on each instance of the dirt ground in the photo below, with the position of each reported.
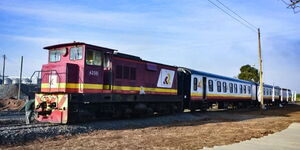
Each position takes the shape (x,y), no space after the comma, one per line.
(218,128)
(11,104)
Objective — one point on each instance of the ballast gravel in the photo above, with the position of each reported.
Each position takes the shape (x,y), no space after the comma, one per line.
(17,134)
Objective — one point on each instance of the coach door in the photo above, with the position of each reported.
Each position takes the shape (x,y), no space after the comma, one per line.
(204,87)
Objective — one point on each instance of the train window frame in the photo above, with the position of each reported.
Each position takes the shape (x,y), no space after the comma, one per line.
(271,92)
(231,87)
(132,73)
(106,61)
(126,72)
(241,89)
(195,83)
(79,53)
(119,72)
(219,86)
(93,61)
(235,88)
(224,85)
(210,85)
(245,89)
(57,55)
(249,90)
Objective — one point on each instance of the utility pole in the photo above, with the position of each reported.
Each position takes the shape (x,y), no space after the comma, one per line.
(3,71)
(20,82)
(261,88)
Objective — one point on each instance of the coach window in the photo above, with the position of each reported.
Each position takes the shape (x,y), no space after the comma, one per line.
(224,87)
(271,92)
(235,88)
(241,88)
(54,55)
(231,87)
(93,58)
(245,90)
(195,84)
(76,53)
(210,85)
(249,90)
(218,86)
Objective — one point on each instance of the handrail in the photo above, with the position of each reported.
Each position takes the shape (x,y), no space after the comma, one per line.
(42,71)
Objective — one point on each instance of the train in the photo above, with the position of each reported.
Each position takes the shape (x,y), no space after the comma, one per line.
(85,82)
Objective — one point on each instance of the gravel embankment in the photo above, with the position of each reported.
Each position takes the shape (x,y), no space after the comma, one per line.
(17,134)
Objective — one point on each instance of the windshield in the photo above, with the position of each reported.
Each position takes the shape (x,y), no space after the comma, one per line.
(76,53)
(55,55)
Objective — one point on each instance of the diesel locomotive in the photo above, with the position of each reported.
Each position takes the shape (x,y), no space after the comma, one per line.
(84,82)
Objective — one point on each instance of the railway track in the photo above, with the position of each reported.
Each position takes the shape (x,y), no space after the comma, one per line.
(11,127)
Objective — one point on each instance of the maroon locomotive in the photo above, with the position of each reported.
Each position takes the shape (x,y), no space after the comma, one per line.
(83,81)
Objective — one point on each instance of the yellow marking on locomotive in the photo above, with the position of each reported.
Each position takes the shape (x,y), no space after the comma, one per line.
(75,85)
(100,86)
(146,89)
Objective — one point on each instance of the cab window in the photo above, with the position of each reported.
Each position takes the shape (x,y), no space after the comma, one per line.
(93,58)
(54,55)
(76,53)
(106,61)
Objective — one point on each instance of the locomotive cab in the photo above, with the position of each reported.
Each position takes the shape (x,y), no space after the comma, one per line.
(75,67)
(72,68)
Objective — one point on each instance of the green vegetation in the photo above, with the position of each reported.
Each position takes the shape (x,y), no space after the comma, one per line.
(249,73)
(298,97)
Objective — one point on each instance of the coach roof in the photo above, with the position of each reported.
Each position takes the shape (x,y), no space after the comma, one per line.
(218,76)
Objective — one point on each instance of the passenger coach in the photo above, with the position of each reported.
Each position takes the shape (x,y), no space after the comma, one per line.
(201,90)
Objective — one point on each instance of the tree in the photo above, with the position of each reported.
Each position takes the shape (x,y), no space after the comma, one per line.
(249,73)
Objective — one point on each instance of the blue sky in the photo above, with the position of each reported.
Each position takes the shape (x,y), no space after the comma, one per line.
(188,33)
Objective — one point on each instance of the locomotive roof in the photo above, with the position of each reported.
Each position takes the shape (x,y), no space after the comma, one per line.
(132,57)
(76,43)
(218,76)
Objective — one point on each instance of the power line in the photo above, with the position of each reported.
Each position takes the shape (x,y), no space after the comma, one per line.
(244,24)
(292,5)
(237,15)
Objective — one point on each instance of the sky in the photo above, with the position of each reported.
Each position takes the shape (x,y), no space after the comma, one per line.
(188,33)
